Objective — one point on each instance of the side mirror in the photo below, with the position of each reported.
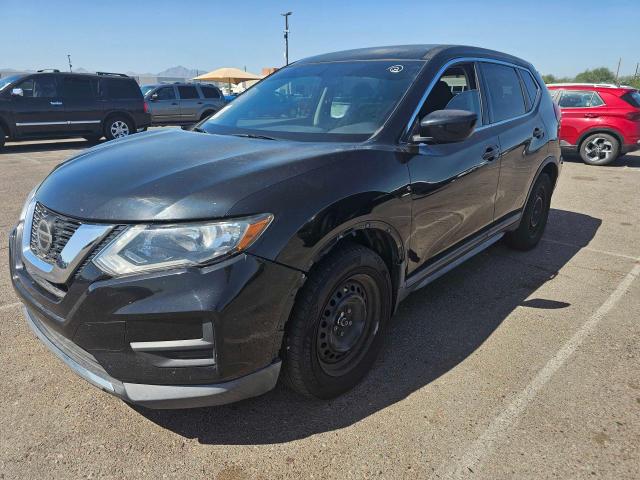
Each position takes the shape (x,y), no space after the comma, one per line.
(153,97)
(446,126)
(17,92)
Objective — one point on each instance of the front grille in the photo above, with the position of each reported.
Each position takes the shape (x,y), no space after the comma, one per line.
(61,229)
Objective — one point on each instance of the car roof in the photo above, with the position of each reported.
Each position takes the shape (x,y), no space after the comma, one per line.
(422,52)
(168,84)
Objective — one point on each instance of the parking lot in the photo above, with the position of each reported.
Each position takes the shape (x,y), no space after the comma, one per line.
(514,365)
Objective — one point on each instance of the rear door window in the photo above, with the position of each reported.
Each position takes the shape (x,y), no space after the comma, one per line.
(504,92)
(78,88)
(580,99)
(187,92)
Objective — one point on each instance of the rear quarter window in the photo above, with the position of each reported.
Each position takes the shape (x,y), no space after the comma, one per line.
(121,89)
(632,98)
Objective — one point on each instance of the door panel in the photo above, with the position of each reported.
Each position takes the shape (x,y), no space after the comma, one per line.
(190,103)
(453,190)
(40,111)
(581,110)
(522,153)
(165,108)
(82,108)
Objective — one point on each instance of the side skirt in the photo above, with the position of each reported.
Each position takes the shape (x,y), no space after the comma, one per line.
(458,255)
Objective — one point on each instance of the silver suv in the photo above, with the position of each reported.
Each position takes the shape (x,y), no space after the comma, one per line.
(181,103)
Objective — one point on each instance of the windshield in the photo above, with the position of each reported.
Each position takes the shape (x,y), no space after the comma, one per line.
(9,80)
(342,101)
(146,89)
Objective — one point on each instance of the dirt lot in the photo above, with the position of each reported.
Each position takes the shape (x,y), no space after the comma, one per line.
(515,365)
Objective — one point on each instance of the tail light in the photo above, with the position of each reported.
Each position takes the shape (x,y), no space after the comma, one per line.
(146,107)
(633,116)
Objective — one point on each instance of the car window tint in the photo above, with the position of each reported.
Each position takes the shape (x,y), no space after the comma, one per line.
(210,92)
(580,99)
(187,93)
(79,88)
(531,86)
(504,91)
(166,93)
(39,87)
(468,100)
(122,89)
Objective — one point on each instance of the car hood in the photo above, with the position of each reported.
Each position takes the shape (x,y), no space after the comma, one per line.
(174,174)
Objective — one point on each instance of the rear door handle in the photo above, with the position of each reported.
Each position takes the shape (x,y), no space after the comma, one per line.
(538,132)
(591,115)
(55,103)
(491,153)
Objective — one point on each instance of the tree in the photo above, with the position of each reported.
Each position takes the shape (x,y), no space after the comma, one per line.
(549,78)
(597,75)
(631,81)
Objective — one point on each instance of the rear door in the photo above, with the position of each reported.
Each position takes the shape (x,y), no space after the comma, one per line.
(83,110)
(522,136)
(581,110)
(40,109)
(190,103)
(164,105)
(213,99)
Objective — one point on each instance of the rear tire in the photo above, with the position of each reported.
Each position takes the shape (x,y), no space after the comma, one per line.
(3,136)
(92,138)
(599,149)
(206,114)
(534,217)
(118,126)
(338,322)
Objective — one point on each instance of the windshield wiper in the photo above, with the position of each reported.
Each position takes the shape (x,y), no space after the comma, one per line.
(252,135)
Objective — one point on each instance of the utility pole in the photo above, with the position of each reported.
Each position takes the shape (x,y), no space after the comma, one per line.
(618,70)
(69,59)
(636,74)
(286,36)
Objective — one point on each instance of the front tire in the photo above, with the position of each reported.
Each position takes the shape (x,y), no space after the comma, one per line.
(118,126)
(337,325)
(599,149)
(534,217)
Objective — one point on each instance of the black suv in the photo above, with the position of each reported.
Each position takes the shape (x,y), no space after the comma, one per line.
(275,239)
(51,104)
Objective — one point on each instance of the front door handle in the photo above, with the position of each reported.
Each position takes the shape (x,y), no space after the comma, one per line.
(491,153)
(56,104)
(591,115)
(538,132)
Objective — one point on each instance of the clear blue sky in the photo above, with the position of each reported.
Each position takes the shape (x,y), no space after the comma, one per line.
(561,37)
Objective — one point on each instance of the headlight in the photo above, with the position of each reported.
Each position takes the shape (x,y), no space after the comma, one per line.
(141,248)
(27,202)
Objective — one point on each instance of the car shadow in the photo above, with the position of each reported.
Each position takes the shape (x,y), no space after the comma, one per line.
(631,161)
(434,330)
(41,146)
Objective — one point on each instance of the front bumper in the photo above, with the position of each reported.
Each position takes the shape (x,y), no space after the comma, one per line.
(153,396)
(127,335)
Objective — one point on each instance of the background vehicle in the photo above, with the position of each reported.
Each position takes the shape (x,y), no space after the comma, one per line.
(51,104)
(182,103)
(284,231)
(599,122)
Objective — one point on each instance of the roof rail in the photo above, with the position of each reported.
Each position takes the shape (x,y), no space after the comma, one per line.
(584,84)
(54,70)
(111,74)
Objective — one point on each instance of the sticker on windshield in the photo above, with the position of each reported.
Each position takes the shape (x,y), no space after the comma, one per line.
(395,68)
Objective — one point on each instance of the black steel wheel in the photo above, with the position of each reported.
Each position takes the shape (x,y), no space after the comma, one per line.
(335,331)
(534,217)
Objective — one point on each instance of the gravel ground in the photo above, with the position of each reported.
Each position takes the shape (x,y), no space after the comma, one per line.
(514,365)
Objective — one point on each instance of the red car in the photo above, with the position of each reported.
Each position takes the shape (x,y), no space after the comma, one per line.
(600,122)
